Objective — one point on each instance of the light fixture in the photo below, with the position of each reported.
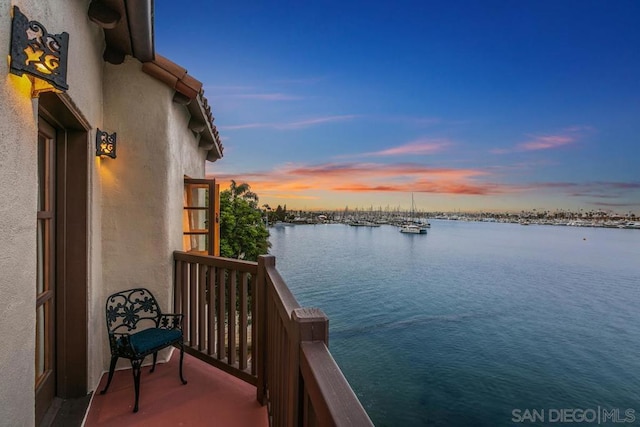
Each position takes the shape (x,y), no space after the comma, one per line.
(41,55)
(105,144)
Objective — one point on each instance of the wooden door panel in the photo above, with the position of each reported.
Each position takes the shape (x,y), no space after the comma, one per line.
(45,374)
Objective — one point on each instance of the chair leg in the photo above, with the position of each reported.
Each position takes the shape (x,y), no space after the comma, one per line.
(181,358)
(112,367)
(155,358)
(135,365)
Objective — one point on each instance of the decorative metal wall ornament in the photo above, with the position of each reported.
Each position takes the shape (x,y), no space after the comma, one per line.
(41,55)
(105,144)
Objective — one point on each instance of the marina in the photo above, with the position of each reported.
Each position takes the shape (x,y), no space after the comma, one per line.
(474,320)
(399,218)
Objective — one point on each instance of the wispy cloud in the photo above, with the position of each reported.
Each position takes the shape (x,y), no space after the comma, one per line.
(427,187)
(367,177)
(535,143)
(299,124)
(263,96)
(245,126)
(546,142)
(418,148)
(229,88)
(316,121)
(302,80)
(314,181)
(567,136)
(607,190)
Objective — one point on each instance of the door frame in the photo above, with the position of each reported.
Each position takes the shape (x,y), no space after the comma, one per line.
(72,244)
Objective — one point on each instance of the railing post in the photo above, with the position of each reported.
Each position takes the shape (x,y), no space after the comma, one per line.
(260,323)
(314,324)
(310,324)
(177,279)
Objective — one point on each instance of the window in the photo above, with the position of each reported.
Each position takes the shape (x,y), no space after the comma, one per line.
(201,205)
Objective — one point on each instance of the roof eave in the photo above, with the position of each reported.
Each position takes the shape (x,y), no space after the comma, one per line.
(127,26)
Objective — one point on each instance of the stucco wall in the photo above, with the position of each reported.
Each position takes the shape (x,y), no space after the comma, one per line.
(142,188)
(18,188)
(18,132)
(135,201)
(188,160)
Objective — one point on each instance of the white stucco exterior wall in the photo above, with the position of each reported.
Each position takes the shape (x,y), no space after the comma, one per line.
(189,161)
(19,187)
(142,189)
(135,201)
(18,131)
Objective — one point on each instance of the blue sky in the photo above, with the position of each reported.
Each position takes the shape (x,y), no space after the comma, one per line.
(492,105)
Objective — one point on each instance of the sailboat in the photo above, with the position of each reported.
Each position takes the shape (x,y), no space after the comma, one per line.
(413,227)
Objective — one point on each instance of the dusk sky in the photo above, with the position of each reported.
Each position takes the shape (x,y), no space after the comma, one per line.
(469,105)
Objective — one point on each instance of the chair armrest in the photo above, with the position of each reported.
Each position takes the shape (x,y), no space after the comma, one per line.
(120,343)
(170,321)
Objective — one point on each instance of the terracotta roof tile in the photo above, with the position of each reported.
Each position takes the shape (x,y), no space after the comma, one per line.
(176,77)
(171,67)
(192,83)
(185,89)
(158,72)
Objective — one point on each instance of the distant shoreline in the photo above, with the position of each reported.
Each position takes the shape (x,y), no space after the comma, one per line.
(620,224)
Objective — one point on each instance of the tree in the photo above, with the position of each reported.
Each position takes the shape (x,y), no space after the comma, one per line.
(279,214)
(243,234)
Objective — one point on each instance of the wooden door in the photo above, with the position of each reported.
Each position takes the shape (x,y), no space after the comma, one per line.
(45,375)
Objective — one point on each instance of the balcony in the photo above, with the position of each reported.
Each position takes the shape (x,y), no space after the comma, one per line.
(272,358)
(211,397)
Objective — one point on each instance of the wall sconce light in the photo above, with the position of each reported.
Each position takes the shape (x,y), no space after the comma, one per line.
(105,144)
(41,55)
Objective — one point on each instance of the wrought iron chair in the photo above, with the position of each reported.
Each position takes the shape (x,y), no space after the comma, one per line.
(137,328)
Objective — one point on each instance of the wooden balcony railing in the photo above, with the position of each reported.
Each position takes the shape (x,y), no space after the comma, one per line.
(241,317)
(216,296)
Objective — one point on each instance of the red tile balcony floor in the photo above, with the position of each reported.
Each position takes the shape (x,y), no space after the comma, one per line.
(211,398)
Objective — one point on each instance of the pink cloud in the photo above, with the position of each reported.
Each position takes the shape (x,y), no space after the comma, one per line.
(566,136)
(312,182)
(419,147)
(316,121)
(300,124)
(546,142)
(367,177)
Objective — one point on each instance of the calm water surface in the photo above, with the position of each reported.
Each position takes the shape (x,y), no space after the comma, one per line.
(463,325)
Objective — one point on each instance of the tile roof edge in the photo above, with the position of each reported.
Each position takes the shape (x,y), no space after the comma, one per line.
(177,77)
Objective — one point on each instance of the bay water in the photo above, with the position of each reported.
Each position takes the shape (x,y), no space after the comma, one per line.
(476,324)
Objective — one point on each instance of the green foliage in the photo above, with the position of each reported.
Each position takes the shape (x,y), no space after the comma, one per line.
(243,234)
(279,214)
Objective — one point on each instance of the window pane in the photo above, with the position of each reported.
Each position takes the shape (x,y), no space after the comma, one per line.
(196,243)
(40,279)
(196,195)
(197,220)
(40,341)
(42,172)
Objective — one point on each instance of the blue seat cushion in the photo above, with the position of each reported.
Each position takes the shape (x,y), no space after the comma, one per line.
(153,338)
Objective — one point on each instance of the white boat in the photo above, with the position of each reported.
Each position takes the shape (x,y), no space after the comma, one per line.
(414,227)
